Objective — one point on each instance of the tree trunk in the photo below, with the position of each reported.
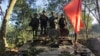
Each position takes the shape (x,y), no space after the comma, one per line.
(4,25)
(97,4)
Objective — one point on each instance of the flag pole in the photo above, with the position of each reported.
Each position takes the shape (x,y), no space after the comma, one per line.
(75,43)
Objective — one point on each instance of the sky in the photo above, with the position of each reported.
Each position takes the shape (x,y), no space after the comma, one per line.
(4,7)
(39,3)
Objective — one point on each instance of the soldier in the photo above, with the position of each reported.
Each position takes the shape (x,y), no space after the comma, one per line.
(52,21)
(34,24)
(62,23)
(43,23)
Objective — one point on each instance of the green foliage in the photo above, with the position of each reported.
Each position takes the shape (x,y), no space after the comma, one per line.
(87,19)
(11,35)
(22,16)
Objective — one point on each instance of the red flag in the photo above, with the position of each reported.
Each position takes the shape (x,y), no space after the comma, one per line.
(73,11)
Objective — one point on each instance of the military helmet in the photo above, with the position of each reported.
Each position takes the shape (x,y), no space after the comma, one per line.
(43,11)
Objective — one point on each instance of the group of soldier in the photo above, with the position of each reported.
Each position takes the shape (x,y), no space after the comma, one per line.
(43,22)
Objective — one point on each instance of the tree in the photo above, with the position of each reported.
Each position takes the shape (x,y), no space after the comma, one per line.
(93,7)
(98,10)
(4,24)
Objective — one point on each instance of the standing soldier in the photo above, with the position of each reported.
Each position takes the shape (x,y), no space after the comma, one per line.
(53,32)
(52,21)
(43,23)
(62,23)
(34,24)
